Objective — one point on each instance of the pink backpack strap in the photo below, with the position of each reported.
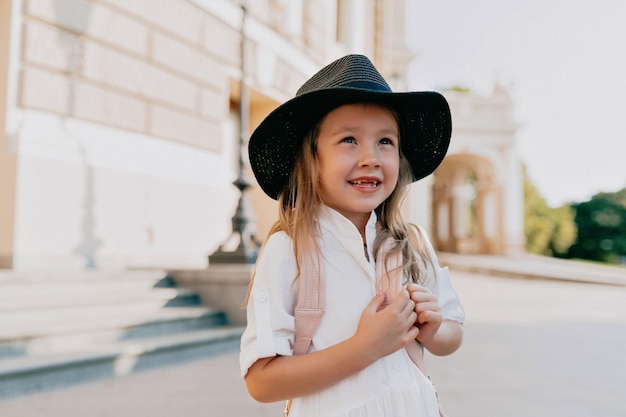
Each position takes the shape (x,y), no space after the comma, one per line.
(389,280)
(310,307)
(388,272)
(309,310)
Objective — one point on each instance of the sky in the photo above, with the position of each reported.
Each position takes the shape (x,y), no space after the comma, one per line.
(564,64)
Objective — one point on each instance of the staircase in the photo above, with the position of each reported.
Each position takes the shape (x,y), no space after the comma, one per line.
(58,329)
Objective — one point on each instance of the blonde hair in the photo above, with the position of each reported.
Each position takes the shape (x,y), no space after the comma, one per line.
(408,237)
(299,204)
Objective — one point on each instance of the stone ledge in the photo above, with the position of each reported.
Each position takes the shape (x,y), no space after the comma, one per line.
(223,287)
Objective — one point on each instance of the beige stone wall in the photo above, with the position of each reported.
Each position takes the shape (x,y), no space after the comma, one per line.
(149,68)
(120,117)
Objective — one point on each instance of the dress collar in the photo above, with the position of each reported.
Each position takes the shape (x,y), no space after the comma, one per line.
(335,223)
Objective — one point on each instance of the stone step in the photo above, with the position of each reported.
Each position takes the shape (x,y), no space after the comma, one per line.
(45,276)
(36,299)
(42,372)
(61,328)
(34,290)
(87,314)
(81,336)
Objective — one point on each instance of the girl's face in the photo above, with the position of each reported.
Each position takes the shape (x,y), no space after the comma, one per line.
(358,157)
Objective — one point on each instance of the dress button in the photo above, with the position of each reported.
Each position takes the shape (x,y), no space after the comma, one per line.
(397,366)
(262,298)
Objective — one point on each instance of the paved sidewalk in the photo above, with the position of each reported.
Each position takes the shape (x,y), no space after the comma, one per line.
(536,267)
(204,388)
(532,348)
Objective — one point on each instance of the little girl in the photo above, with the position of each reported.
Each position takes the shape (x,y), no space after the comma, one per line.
(338,158)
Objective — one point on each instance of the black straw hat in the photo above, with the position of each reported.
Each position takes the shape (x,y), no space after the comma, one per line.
(424,116)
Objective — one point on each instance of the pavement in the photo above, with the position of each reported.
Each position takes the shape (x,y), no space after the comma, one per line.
(530,266)
(210,387)
(539,347)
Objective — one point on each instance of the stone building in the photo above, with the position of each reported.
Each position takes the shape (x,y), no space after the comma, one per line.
(120,121)
(477,191)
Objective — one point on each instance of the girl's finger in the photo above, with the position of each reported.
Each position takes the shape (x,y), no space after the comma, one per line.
(377,303)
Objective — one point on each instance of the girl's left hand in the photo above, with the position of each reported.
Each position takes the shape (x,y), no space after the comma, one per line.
(429,317)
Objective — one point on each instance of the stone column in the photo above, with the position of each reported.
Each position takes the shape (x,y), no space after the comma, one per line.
(514,239)
(352,28)
(417,207)
(8,158)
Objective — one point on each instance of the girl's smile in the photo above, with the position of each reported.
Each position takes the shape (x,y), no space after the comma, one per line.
(358,157)
(366,183)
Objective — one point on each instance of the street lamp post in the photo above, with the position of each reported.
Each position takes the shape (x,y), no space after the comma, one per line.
(247,248)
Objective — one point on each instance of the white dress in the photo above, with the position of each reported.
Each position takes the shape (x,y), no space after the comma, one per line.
(393,386)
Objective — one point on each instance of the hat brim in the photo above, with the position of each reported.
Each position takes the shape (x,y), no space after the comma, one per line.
(426,128)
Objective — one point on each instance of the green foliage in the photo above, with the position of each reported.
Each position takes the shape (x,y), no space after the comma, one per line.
(594,229)
(549,231)
(601,225)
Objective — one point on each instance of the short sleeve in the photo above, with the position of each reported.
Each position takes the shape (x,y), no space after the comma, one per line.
(270,329)
(441,286)
(451,307)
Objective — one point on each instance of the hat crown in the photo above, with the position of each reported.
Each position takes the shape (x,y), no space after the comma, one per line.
(351,71)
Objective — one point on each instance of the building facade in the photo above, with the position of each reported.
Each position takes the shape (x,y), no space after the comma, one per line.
(122,122)
(477,192)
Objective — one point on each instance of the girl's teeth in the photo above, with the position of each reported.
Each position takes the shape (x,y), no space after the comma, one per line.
(369,184)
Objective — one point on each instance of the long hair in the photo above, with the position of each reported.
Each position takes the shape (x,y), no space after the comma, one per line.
(299,204)
(408,238)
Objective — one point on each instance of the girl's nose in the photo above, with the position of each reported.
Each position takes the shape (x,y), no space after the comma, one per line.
(369,158)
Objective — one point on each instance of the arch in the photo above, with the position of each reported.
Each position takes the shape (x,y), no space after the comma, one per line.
(467,206)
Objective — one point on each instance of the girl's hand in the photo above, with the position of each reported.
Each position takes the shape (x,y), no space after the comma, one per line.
(428,311)
(382,329)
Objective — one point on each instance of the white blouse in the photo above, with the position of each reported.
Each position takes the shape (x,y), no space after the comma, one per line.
(392,386)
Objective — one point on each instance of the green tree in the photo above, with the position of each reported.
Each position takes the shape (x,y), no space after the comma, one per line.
(601,225)
(549,231)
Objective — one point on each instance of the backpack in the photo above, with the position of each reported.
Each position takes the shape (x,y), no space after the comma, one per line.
(310,307)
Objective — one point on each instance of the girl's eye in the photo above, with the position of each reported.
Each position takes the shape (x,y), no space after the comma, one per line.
(349,139)
(386,141)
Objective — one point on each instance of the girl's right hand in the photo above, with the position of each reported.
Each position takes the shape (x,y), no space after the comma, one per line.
(382,329)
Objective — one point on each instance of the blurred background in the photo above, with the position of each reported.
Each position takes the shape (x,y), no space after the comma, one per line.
(123,122)
(129,218)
